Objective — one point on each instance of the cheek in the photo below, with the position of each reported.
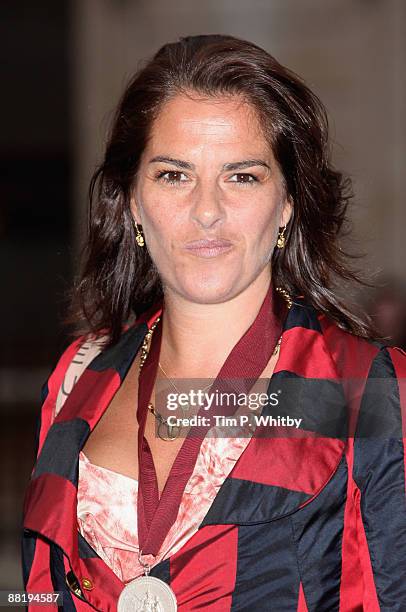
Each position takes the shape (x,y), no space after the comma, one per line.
(162,227)
(153,213)
(262,227)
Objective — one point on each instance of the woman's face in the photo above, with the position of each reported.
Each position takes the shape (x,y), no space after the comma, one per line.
(208,174)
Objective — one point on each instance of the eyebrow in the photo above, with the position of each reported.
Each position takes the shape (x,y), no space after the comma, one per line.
(184,165)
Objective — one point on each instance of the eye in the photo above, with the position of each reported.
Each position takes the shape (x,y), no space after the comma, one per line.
(171,176)
(243,178)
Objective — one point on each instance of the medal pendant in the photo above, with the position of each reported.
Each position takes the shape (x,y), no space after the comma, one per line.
(168,432)
(147,594)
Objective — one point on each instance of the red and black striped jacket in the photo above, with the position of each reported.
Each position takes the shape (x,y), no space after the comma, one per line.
(314,522)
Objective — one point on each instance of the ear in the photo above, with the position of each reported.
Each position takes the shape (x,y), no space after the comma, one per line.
(134,210)
(287,210)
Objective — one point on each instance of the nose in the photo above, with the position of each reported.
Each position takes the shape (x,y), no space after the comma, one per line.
(207,209)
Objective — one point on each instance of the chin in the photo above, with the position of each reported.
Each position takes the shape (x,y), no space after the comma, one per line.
(208,290)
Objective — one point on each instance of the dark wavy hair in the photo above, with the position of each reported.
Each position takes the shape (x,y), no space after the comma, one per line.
(118,279)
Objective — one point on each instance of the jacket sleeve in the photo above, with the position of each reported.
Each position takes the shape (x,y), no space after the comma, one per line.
(379,473)
(30,543)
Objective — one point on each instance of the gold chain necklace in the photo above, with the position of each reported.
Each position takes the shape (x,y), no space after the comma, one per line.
(173,431)
(173,384)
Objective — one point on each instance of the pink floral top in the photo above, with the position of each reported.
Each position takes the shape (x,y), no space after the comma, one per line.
(107,505)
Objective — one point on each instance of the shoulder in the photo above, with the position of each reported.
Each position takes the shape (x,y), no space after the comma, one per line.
(77,356)
(72,364)
(59,368)
(357,356)
(64,375)
(77,352)
(353,356)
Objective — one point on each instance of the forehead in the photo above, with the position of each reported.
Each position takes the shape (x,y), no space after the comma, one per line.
(190,122)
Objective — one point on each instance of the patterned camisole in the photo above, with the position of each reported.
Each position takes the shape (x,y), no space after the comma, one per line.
(107,505)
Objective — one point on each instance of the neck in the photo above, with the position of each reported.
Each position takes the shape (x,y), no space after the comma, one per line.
(197,338)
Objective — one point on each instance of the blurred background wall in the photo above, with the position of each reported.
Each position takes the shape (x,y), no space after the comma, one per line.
(65,66)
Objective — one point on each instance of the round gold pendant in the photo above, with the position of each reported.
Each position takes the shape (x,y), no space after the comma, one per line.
(172,431)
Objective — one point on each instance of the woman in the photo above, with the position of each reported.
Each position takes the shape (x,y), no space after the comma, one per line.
(215,222)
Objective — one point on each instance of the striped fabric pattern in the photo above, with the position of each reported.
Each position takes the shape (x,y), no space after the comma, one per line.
(312,521)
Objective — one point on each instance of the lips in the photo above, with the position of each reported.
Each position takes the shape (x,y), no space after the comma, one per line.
(208,248)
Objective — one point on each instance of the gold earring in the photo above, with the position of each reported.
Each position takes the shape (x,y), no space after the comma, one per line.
(139,237)
(281,238)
